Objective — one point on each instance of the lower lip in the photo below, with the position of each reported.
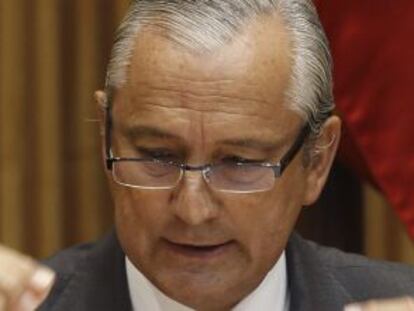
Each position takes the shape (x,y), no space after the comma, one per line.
(205,253)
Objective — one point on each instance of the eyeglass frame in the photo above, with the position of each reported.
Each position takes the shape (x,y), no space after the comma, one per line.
(278,168)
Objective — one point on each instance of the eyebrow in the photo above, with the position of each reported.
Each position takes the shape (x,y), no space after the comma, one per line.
(142,131)
(267,146)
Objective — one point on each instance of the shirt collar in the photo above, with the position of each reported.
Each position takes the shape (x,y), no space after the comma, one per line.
(271,294)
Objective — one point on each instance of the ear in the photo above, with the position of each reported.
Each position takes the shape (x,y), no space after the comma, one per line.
(101,100)
(322,155)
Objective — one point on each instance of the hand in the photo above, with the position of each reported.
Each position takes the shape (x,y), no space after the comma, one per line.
(399,304)
(24,284)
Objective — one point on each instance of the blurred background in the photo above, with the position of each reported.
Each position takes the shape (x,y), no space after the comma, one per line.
(53,55)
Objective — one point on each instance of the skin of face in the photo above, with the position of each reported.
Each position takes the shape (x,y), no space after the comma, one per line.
(202,247)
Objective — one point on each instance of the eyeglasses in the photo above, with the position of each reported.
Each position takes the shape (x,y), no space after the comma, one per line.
(231,177)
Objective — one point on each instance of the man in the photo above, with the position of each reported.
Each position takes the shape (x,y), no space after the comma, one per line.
(217,131)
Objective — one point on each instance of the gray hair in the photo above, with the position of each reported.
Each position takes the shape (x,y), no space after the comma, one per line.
(203,25)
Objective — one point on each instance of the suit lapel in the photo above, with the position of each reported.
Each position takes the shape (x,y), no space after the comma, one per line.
(99,282)
(312,286)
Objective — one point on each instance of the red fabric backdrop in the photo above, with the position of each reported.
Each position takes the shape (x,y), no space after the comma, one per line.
(372,43)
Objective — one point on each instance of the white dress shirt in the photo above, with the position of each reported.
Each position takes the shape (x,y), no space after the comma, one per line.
(272,294)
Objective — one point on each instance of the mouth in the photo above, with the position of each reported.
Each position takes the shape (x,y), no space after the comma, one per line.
(199,251)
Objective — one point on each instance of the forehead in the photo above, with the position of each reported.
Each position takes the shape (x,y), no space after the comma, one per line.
(247,76)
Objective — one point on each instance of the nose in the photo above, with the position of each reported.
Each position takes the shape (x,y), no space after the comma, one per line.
(193,202)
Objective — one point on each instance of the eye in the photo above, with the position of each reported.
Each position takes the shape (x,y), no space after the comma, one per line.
(232,159)
(162,154)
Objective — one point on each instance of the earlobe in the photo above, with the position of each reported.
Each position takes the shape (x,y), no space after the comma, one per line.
(322,155)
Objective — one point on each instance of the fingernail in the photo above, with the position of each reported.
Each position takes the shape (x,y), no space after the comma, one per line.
(42,278)
(353,307)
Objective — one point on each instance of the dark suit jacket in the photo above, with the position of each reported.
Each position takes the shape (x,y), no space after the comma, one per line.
(92,277)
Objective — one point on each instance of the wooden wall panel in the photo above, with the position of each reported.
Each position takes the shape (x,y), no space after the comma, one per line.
(385,236)
(49,163)
(87,47)
(12,125)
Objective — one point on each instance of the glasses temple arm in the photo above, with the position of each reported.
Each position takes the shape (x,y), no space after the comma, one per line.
(295,148)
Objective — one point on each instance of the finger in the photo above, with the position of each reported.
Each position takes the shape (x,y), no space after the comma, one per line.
(41,281)
(36,291)
(15,271)
(410,303)
(398,304)
(23,283)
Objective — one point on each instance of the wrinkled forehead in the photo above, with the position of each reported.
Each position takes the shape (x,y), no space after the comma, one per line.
(251,73)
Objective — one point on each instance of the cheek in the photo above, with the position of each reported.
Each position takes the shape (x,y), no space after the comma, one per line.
(139,219)
(266,226)
(268,219)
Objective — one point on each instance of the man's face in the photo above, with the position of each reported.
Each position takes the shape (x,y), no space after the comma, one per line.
(205,248)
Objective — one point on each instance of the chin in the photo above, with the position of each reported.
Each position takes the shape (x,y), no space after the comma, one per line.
(203,290)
